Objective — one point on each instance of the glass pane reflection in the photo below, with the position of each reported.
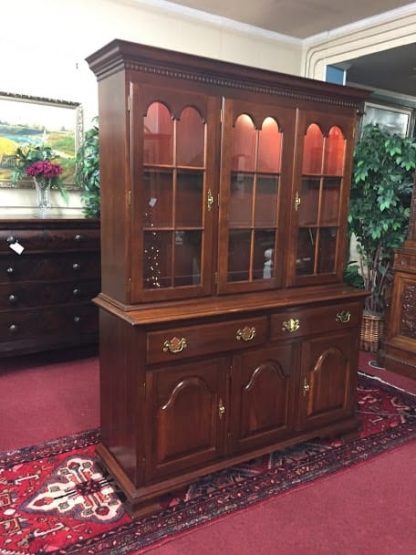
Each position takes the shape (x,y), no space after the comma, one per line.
(187,258)
(239,255)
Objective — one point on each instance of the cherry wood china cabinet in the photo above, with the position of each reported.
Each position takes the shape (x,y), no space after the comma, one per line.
(400,344)
(225,329)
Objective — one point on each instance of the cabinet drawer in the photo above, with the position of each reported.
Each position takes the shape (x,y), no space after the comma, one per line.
(63,321)
(178,343)
(306,321)
(43,267)
(30,294)
(50,240)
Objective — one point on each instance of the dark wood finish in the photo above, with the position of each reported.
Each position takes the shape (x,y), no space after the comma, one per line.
(206,339)
(209,323)
(46,292)
(327,379)
(400,341)
(263,385)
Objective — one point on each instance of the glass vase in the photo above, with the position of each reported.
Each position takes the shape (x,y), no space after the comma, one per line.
(43,196)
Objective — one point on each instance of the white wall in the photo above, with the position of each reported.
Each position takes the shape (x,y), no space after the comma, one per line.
(44,44)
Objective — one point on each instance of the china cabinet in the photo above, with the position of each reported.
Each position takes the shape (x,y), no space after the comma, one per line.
(49,272)
(225,329)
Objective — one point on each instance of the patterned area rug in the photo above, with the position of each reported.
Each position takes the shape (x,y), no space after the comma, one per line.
(54,498)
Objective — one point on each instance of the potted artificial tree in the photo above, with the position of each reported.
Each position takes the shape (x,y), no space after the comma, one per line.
(87,174)
(381,190)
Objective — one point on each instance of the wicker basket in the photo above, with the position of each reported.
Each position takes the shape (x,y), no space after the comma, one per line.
(372,332)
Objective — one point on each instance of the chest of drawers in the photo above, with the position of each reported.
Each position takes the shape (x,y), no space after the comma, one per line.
(46,290)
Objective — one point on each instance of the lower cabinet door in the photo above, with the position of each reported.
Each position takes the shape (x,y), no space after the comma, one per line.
(262,394)
(185,418)
(328,379)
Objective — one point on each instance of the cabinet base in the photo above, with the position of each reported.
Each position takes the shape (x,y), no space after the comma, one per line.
(145,500)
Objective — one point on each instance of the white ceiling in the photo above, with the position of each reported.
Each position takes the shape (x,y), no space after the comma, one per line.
(392,71)
(296,18)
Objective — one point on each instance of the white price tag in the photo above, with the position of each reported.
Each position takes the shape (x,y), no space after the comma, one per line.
(17,247)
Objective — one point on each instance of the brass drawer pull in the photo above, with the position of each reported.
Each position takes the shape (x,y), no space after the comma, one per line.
(306,386)
(76,266)
(291,325)
(13,328)
(10,270)
(11,240)
(77,319)
(76,292)
(12,298)
(78,237)
(343,317)
(174,345)
(221,409)
(246,334)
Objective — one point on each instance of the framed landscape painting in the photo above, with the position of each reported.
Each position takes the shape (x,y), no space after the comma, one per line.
(390,118)
(32,121)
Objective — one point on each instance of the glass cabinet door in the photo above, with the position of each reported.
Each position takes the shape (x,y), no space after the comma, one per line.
(175,190)
(320,197)
(253,170)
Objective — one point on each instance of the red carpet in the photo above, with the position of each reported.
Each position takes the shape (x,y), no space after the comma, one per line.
(353,512)
(54,499)
(47,396)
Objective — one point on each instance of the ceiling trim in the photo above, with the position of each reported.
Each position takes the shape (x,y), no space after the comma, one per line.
(373,21)
(398,29)
(192,14)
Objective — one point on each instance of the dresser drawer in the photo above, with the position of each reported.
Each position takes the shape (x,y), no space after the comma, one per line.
(49,267)
(306,321)
(30,294)
(51,239)
(184,342)
(62,321)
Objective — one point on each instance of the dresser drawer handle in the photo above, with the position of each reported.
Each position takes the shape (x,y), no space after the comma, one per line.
(77,319)
(246,334)
(10,270)
(76,266)
(291,325)
(11,239)
(343,317)
(12,299)
(13,328)
(78,237)
(174,345)
(76,292)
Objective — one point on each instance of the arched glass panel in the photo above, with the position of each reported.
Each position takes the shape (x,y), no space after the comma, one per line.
(158,135)
(334,152)
(313,150)
(243,140)
(190,138)
(270,146)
